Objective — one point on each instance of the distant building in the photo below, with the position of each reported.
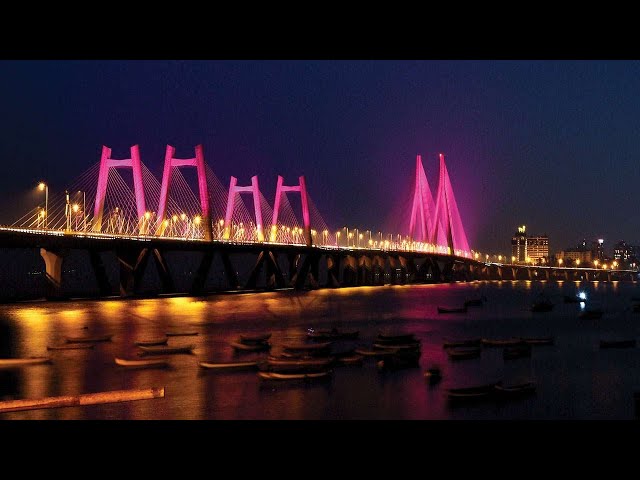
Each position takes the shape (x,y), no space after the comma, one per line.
(538,248)
(597,249)
(534,249)
(573,255)
(622,251)
(519,245)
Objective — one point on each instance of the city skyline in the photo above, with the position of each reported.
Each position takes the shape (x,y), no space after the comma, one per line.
(536,142)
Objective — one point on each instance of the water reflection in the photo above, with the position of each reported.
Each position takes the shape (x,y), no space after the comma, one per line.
(567,374)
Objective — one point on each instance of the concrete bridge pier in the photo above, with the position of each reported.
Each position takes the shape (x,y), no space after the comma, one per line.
(133,262)
(333,271)
(309,271)
(104,286)
(53,271)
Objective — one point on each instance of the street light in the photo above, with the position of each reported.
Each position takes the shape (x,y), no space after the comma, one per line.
(45,187)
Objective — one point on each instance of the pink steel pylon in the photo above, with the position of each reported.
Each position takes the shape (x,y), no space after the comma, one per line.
(448,228)
(106,163)
(233,189)
(302,189)
(422,205)
(198,162)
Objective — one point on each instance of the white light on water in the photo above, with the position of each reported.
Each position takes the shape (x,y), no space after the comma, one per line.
(582,295)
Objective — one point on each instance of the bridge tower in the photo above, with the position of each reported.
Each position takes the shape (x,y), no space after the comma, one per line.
(106,163)
(422,206)
(233,189)
(447,222)
(302,189)
(198,163)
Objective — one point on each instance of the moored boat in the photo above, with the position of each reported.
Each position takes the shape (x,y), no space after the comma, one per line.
(295,376)
(375,353)
(469,394)
(467,342)
(349,360)
(188,333)
(306,347)
(19,362)
(537,340)
(452,309)
(142,363)
(397,346)
(151,342)
(494,342)
(462,353)
(71,346)
(333,334)
(162,350)
(512,391)
(100,338)
(251,347)
(224,366)
(255,337)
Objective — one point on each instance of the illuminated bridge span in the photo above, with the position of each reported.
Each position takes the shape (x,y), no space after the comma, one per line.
(101,212)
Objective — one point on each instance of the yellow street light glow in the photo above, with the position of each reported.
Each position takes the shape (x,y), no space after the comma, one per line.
(577,262)
(42,185)
(174,218)
(559,261)
(513,259)
(221,222)
(183,216)
(147,215)
(75,207)
(197,220)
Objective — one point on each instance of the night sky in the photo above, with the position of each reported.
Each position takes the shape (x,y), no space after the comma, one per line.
(550,144)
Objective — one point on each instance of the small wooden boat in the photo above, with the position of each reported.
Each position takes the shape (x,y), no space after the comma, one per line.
(151,342)
(71,346)
(462,353)
(542,306)
(181,334)
(452,310)
(494,342)
(102,338)
(591,314)
(333,334)
(349,360)
(618,343)
(140,363)
(224,366)
(251,347)
(162,350)
(468,394)
(468,342)
(324,375)
(280,362)
(397,346)
(20,362)
(254,337)
(512,391)
(537,340)
(375,353)
(518,351)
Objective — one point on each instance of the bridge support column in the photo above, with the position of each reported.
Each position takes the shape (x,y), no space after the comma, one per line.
(308,270)
(163,270)
(53,271)
(197,286)
(275,279)
(104,286)
(294,260)
(333,271)
(133,263)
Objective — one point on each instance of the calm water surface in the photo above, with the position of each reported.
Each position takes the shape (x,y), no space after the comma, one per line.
(575,379)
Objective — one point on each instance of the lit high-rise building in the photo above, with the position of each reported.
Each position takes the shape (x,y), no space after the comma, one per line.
(533,249)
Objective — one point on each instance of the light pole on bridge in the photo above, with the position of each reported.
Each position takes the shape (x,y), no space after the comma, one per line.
(45,187)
